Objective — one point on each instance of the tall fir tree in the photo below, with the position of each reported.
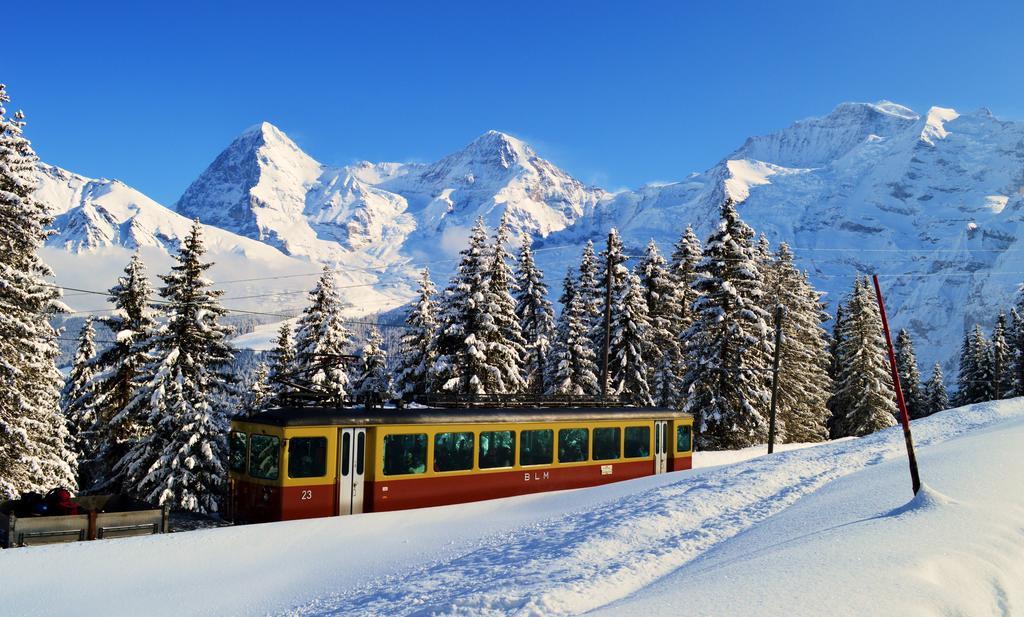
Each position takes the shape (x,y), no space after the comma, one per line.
(79,414)
(280,372)
(321,338)
(863,398)
(804,384)
(1016,337)
(36,453)
(935,397)
(505,348)
(1002,359)
(683,269)
(573,366)
(373,386)
(417,346)
(664,356)
(118,373)
(536,318)
(976,380)
(591,290)
(630,344)
(910,376)
(727,343)
(613,274)
(180,462)
(258,395)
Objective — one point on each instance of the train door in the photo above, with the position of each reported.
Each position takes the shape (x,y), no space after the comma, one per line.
(660,451)
(351,470)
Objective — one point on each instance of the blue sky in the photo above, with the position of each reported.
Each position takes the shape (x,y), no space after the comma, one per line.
(618,94)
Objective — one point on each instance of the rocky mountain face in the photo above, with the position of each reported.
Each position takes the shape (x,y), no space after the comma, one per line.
(932,202)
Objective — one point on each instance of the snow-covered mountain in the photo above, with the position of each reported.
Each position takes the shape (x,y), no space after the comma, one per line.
(930,201)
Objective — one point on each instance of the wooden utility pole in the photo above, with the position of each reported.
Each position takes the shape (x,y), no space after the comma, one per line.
(775,377)
(607,317)
(915,478)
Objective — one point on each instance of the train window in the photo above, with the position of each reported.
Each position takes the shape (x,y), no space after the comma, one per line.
(239,444)
(307,457)
(453,451)
(573,444)
(536,447)
(683,438)
(360,452)
(405,454)
(346,453)
(264,456)
(497,449)
(607,443)
(638,441)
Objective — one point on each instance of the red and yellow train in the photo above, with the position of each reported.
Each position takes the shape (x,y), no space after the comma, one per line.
(303,463)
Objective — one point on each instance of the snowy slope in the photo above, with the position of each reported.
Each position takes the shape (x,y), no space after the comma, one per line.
(786,534)
(933,202)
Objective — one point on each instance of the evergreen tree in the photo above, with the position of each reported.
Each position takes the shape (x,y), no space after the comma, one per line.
(478,349)
(80,416)
(418,345)
(536,318)
(683,269)
(282,367)
(258,395)
(1002,359)
(727,344)
(591,290)
(630,329)
(117,376)
(910,376)
(976,379)
(611,268)
(804,383)
(1016,338)
(935,397)
(35,448)
(180,461)
(321,338)
(574,370)
(505,347)
(373,385)
(863,399)
(664,314)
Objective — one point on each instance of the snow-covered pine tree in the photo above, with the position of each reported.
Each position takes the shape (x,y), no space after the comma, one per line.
(281,367)
(1002,359)
(1016,337)
(727,343)
(935,397)
(591,290)
(181,460)
(417,346)
(804,383)
(78,413)
(573,366)
(910,376)
(630,344)
(613,260)
(664,357)
(863,398)
(117,375)
(373,385)
(505,347)
(683,269)
(35,448)
(258,394)
(460,357)
(536,318)
(976,380)
(320,339)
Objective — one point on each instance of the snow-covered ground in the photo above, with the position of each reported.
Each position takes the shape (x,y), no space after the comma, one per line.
(826,529)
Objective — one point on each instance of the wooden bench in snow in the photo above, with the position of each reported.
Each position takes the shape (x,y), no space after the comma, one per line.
(102,517)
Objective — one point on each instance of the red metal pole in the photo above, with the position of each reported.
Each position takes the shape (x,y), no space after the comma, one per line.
(915,478)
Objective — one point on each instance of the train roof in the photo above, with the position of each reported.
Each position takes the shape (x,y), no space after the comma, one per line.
(339,416)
